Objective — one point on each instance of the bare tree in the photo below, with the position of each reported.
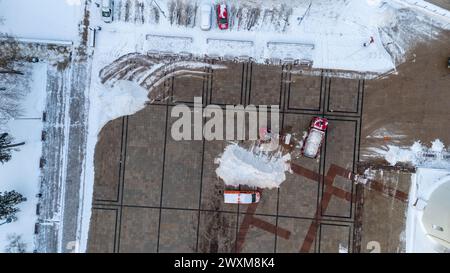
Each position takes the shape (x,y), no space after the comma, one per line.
(15,244)
(9,103)
(9,53)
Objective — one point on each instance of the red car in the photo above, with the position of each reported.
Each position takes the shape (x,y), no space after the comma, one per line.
(315,137)
(222,16)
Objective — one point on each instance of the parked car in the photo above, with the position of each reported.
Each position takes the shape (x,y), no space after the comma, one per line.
(241,197)
(205,17)
(222,16)
(107,10)
(448,62)
(315,137)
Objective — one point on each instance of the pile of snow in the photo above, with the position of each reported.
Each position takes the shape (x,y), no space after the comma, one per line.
(238,166)
(437,146)
(122,99)
(418,155)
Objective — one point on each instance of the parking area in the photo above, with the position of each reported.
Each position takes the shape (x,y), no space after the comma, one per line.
(242,15)
(155,194)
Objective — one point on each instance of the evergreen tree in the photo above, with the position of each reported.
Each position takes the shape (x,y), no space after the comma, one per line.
(8,202)
(6,147)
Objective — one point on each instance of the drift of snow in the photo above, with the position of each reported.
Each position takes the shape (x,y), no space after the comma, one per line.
(437,146)
(396,154)
(124,98)
(238,166)
(418,155)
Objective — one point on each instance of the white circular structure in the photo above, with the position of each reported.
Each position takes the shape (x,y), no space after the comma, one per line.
(436,214)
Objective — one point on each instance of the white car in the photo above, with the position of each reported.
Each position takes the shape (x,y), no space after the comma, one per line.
(241,197)
(205,16)
(107,11)
(315,137)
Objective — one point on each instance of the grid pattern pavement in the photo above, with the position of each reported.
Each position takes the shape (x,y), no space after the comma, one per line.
(154,194)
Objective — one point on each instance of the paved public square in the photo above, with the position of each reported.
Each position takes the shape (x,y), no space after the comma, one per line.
(155,194)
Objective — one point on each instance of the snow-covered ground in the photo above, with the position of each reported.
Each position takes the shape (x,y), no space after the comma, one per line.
(433,169)
(22,172)
(419,155)
(331,33)
(332,39)
(42,19)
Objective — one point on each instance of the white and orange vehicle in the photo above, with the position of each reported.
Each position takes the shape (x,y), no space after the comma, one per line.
(316,135)
(241,197)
